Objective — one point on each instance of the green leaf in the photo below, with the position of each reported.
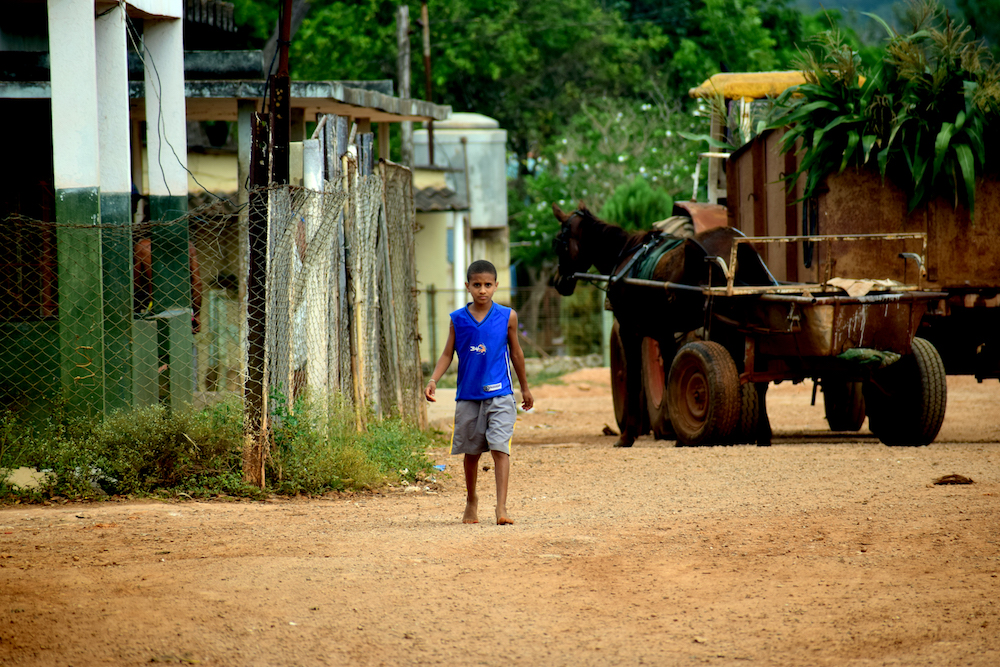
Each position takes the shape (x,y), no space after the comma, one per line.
(714,143)
(959,121)
(852,143)
(883,159)
(941,146)
(867,142)
(967,164)
(888,30)
(818,137)
(975,142)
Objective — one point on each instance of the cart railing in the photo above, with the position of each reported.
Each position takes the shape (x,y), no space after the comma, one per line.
(729,270)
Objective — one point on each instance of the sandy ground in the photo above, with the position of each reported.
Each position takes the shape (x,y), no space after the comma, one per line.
(821,550)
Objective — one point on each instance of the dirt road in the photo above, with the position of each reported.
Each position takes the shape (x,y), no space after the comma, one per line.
(820,550)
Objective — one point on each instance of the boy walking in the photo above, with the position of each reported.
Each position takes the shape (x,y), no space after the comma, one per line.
(485,335)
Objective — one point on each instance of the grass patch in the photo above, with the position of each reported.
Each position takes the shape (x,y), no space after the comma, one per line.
(548,377)
(191,453)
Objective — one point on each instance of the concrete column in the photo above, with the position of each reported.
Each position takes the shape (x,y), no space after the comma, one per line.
(75,150)
(166,141)
(114,140)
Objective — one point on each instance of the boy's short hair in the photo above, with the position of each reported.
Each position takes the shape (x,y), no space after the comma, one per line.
(481,266)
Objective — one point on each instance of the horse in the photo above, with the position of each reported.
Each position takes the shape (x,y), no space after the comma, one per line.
(647,319)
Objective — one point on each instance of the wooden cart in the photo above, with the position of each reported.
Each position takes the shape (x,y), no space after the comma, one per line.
(863,347)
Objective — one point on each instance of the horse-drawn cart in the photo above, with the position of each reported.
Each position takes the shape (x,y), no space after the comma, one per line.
(856,337)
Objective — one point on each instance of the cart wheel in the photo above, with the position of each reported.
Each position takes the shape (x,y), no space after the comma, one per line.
(746,426)
(907,400)
(703,394)
(619,384)
(654,386)
(844,403)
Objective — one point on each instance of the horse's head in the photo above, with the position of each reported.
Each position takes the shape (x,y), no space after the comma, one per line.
(567,245)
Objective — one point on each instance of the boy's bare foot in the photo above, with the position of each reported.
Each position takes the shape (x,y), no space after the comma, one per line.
(502,518)
(471,512)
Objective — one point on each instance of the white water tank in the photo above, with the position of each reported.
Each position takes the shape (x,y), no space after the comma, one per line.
(477,166)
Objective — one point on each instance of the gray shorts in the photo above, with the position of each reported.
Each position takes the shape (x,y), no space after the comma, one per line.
(481,426)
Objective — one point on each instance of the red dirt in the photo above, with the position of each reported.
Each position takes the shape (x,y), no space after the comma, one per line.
(821,550)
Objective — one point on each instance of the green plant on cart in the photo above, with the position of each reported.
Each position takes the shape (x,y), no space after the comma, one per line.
(924,116)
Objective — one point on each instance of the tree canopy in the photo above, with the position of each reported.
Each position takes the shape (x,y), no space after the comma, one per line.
(592,93)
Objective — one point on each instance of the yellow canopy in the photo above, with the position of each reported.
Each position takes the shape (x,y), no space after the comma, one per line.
(748,85)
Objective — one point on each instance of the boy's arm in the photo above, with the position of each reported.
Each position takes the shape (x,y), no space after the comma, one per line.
(517,358)
(444,361)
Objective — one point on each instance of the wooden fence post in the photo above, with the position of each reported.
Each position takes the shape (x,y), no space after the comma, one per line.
(255,441)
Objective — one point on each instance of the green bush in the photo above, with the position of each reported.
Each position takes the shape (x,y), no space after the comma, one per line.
(580,319)
(198,453)
(314,453)
(635,204)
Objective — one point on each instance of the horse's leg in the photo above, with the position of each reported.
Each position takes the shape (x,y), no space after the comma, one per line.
(763,422)
(632,346)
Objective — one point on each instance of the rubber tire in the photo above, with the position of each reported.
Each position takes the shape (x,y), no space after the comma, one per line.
(907,400)
(746,425)
(703,394)
(619,383)
(844,403)
(654,386)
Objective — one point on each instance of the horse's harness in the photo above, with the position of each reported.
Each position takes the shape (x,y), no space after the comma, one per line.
(639,254)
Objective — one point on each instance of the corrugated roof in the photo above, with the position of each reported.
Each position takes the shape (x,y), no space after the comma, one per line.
(438,199)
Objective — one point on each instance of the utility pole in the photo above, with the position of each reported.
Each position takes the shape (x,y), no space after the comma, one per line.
(426,25)
(281,93)
(403,74)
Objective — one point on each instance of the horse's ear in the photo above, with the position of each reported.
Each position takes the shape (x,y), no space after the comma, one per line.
(581,205)
(561,215)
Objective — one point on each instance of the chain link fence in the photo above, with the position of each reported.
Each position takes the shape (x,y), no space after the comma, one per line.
(341,309)
(113,316)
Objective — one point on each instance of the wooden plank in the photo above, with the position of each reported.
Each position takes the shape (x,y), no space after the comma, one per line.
(365,145)
(792,213)
(384,141)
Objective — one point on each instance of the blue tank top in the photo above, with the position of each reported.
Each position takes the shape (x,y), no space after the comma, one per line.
(483,355)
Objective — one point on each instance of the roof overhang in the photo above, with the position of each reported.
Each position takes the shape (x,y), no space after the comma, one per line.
(748,85)
(218,100)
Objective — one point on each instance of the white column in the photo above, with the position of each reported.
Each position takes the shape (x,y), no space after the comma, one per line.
(113,102)
(72,61)
(458,253)
(114,137)
(166,126)
(166,141)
